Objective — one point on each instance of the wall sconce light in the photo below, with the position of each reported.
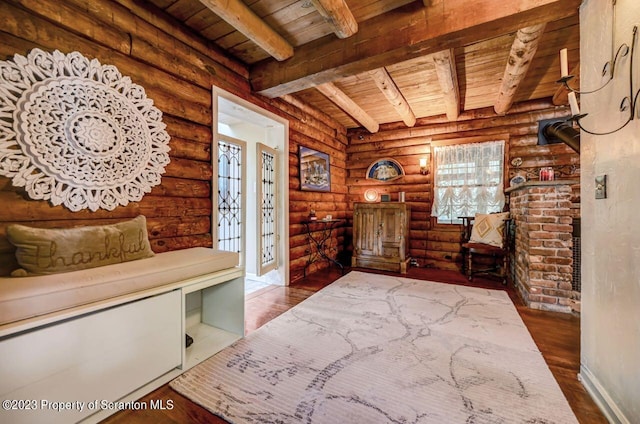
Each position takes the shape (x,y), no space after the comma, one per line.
(424,166)
(628,104)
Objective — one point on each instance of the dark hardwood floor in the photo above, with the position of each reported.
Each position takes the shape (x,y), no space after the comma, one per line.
(557,336)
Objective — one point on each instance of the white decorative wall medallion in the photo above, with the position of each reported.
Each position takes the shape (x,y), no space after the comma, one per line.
(78,133)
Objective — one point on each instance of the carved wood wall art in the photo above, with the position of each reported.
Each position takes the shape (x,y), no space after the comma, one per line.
(78,133)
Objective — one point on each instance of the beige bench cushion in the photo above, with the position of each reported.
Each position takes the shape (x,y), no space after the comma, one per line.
(26,297)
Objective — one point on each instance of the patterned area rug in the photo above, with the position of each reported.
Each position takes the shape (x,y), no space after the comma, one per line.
(377,349)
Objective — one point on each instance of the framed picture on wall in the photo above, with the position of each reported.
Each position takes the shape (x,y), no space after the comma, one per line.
(315,173)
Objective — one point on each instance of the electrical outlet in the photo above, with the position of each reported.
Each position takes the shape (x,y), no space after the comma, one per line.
(601,187)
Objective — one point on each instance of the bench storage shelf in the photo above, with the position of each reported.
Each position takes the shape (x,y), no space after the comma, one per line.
(117,349)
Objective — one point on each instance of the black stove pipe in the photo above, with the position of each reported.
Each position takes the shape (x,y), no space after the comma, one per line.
(564,132)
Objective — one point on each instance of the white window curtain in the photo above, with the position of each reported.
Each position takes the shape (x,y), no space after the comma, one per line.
(468,180)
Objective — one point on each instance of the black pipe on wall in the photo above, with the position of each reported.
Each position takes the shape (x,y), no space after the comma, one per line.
(558,130)
(564,132)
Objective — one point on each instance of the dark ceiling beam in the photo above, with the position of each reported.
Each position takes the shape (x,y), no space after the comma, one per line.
(402,34)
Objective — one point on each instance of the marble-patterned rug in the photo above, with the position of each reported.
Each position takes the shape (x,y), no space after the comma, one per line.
(379,349)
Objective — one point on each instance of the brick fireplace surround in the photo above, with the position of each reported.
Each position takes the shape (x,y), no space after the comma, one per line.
(542,261)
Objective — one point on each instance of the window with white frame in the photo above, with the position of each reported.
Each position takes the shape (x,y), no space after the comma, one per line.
(468,179)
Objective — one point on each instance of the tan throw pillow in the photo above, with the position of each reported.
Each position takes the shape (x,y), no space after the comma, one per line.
(488,228)
(49,251)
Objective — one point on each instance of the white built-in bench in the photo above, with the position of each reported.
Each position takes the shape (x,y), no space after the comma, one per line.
(113,333)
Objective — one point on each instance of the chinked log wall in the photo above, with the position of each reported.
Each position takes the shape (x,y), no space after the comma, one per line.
(439,245)
(177,69)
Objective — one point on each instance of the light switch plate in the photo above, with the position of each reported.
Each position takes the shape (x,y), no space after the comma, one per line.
(601,187)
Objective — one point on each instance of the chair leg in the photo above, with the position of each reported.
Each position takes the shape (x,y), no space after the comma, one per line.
(464,261)
(505,269)
(469,266)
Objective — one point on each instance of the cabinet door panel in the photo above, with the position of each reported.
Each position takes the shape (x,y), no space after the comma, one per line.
(392,251)
(391,225)
(365,231)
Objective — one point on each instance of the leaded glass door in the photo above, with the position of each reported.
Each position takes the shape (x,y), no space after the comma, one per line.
(267,210)
(230,183)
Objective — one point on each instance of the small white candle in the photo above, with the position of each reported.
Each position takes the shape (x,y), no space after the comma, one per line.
(573,103)
(564,63)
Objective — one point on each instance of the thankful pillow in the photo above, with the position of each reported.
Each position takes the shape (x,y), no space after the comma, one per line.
(488,228)
(49,251)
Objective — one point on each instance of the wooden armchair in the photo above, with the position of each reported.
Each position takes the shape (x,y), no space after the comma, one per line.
(491,257)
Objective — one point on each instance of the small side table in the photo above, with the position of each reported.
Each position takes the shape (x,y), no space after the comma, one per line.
(318,233)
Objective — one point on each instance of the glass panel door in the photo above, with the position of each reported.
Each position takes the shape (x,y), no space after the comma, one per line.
(267,205)
(230,183)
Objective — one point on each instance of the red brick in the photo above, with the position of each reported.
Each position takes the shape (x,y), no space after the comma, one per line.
(541,190)
(542,219)
(543,299)
(547,204)
(565,253)
(557,293)
(559,261)
(559,228)
(565,285)
(545,284)
(552,276)
(543,267)
(558,244)
(556,212)
(543,252)
(542,235)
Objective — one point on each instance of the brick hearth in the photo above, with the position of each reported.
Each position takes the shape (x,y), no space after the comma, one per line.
(543,255)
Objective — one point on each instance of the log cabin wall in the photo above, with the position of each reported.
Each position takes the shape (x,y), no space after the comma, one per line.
(176,69)
(438,245)
(330,137)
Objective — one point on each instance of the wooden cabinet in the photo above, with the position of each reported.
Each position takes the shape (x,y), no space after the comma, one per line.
(381,236)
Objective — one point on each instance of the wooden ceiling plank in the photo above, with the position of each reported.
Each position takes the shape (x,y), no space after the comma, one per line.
(388,87)
(523,49)
(242,18)
(338,97)
(402,34)
(445,62)
(338,15)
